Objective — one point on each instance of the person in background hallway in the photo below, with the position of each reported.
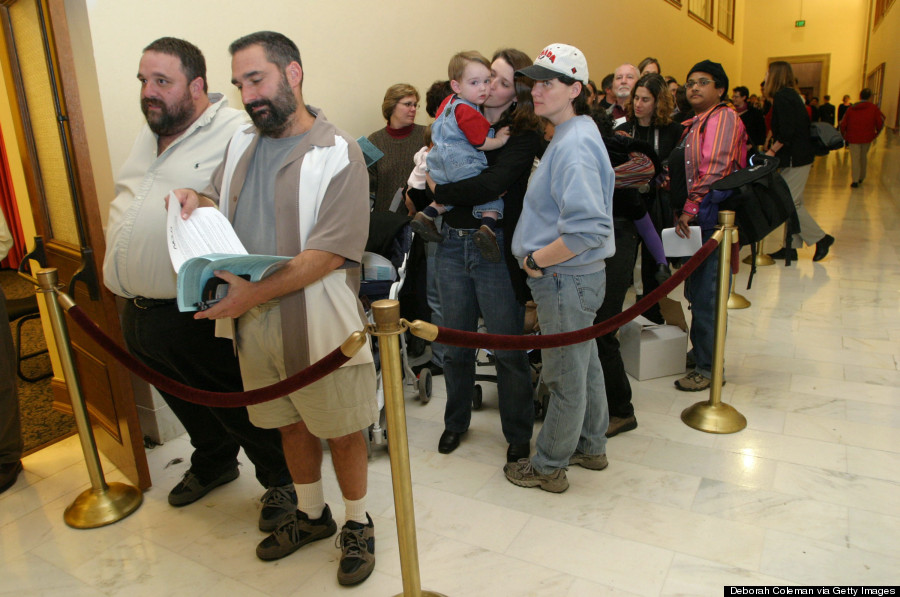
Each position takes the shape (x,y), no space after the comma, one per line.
(183,141)
(608,95)
(399,140)
(826,111)
(649,121)
(842,109)
(623,82)
(862,122)
(792,146)
(649,65)
(753,119)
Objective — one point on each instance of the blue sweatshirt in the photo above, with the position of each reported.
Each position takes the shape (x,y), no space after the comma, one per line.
(570,196)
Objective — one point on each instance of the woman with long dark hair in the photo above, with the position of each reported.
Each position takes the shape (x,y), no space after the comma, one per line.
(469,285)
(793,148)
(650,121)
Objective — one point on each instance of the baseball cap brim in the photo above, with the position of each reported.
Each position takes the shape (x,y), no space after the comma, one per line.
(540,73)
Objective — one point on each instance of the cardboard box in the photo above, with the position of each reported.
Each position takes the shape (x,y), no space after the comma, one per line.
(650,350)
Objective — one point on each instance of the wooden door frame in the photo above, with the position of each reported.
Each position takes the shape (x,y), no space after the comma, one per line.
(121,429)
(825,59)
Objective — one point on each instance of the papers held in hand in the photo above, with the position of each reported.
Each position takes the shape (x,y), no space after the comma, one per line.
(203,243)
(675,246)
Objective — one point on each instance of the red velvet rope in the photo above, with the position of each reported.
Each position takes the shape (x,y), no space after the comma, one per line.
(511,342)
(332,361)
(327,364)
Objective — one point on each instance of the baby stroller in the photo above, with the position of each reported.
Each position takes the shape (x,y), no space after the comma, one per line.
(384,270)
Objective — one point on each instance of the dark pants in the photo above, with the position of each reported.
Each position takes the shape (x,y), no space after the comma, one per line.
(10,423)
(619,270)
(469,285)
(186,350)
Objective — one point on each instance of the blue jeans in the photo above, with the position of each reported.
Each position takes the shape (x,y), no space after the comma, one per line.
(577,415)
(434,300)
(478,210)
(467,285)
(700,290)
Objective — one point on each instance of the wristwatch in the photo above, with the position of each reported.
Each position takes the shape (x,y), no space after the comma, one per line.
(529,261)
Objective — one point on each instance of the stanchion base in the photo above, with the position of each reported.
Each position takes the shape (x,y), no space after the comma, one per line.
(424,594)
(96,508)
(736,301)
(761,260)
(713,418)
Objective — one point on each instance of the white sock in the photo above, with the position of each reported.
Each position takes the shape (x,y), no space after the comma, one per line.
(311,499)
(356,510)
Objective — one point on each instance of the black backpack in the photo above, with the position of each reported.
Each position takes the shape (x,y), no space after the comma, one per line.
(761,201)
(824,137)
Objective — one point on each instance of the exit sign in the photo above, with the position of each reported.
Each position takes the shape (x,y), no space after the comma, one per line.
(800,23)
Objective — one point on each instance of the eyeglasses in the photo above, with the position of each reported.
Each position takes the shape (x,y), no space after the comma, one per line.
(409,104)
(692,83)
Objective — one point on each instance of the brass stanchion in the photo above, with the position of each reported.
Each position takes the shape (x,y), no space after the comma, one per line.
(387,324)
(104,503)
(714,416)
(735,300)
(762,259)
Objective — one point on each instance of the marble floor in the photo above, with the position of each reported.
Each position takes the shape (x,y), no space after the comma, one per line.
(807,494)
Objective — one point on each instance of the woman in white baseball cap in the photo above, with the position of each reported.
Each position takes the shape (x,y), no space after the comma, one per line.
(562,239)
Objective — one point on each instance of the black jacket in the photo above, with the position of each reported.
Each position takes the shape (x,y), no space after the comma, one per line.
(790,126)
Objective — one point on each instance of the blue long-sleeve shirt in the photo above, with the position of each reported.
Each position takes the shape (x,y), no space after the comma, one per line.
(570,197)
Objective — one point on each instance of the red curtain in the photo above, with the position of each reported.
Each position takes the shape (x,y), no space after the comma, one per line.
(10,211)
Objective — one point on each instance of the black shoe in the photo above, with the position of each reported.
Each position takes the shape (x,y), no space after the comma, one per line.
(9,472)
(191,488)
(854,184)
(431,366)
(822,247)
(516,452)
(784,253)
(449,441)
(357,545)
(294,532)
(277,504)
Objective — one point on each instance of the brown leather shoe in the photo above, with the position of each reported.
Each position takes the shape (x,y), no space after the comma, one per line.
(619,425)
(486,241)
(424,227)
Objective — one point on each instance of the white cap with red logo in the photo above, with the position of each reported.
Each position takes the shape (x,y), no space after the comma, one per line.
(556,60)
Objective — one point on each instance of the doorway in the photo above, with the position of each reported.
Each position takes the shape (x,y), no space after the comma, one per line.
(811,72)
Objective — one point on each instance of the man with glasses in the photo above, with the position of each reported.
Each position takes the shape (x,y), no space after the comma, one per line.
(714,146)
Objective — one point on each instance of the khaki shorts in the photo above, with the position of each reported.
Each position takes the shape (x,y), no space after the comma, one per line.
(338,404)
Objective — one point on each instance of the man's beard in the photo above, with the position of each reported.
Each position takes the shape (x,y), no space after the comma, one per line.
(623,92)
(168,121)
(274,120)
